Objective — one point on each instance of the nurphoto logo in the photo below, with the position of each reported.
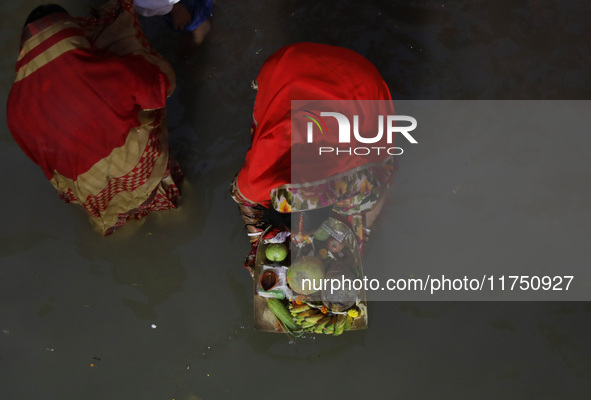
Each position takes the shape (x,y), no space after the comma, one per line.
(369,133)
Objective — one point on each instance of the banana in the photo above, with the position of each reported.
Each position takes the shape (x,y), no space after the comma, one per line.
(348,323)
(321,324)
(304,314)
(306,325)
(339,326)
(314,319)
(298,308)
(310,321)
(329,328)
(338,330)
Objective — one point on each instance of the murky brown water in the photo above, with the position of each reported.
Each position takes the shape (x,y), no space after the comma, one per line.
(162,309)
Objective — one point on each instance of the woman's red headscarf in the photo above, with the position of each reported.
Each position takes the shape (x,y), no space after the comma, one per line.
(302,71)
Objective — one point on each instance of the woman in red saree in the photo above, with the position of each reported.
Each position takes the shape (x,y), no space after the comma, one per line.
(272,181)
(88,106)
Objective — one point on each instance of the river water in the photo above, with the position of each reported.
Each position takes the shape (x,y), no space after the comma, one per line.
(163,309)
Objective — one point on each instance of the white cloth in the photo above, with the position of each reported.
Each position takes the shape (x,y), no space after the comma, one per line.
(149,8)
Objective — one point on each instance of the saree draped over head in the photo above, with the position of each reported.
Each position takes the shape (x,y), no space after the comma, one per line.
(88,106)
(311,72)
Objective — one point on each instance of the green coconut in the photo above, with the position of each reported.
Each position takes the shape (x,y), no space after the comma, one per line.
(310,268)
(345,296)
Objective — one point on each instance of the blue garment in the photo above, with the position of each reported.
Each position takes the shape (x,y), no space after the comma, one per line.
(200,11)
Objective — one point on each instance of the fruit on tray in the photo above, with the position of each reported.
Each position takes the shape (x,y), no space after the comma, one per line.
(321,234)
(276,252)
(334,246)
(304,274)
(339,326)
(311,319)
(345,296)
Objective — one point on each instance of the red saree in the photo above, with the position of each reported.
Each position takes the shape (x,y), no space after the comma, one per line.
(308,71)
(87,106)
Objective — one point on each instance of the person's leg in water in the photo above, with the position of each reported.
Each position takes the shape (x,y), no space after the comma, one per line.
(201,32)
(192,17)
